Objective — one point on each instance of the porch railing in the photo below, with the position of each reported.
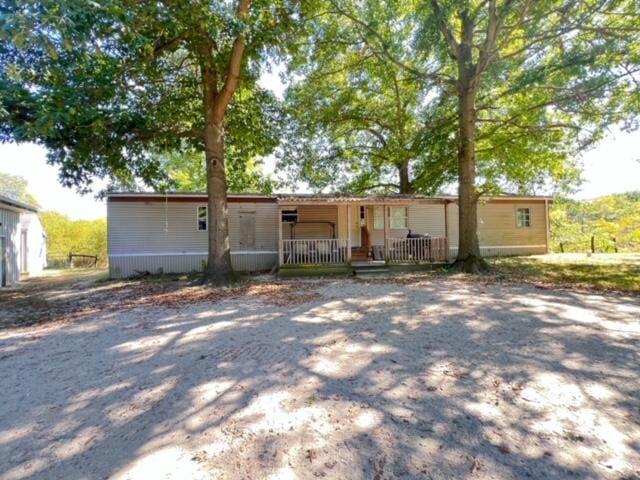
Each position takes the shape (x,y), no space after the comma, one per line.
(416,250)
(314,252)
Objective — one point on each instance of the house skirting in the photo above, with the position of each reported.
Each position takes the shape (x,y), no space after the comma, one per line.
(504,250)
(128,265)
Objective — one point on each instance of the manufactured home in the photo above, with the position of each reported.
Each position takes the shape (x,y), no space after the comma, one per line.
(23,246)
(167,233)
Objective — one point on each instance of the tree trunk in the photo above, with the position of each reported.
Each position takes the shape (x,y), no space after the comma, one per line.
(469,259)
(219,270)
(405,184)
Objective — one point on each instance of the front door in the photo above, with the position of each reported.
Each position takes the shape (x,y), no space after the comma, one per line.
(24,252)
(356,239)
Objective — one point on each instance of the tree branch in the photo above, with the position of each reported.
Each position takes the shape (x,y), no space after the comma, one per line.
(232,79)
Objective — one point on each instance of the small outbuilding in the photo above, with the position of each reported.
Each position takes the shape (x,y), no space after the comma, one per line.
(23,242)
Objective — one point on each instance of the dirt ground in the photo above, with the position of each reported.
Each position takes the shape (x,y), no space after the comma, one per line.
(409,377)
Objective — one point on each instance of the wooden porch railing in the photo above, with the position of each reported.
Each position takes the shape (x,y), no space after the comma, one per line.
(416,250)
(314,252)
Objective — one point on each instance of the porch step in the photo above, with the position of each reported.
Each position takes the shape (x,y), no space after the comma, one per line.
(363,269)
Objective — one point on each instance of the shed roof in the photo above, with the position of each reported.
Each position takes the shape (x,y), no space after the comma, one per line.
(9,203)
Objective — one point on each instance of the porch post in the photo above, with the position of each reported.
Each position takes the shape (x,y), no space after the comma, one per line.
(280,250)
(348,233)
(386,230)
(446,230)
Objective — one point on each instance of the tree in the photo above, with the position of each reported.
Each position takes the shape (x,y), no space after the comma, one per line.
(253,130)
(64,236)
(535,81)
(107,86)
(355,124)
(14,186)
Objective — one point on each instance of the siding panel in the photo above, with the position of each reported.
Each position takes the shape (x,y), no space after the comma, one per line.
(10,230)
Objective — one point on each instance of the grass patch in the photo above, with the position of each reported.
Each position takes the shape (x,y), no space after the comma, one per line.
(619,272)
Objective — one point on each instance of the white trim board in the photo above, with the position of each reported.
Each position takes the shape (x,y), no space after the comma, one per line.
(175,254)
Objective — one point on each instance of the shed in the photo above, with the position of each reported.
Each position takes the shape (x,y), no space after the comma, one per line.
(23,246)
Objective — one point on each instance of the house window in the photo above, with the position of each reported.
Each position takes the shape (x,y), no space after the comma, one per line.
(399,217)
(378,218)
(202,219)
(363,216)
(523,218)
(290,215)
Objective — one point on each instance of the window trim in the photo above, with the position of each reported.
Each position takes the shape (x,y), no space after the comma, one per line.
(405,216)
(206,218)
(528,217)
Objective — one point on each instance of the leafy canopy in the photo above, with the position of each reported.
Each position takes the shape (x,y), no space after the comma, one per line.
(549,77)
(108,86)
(16,187)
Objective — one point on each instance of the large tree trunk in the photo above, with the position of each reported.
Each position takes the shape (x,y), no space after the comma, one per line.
(219,269)
(405,183)
(469,259)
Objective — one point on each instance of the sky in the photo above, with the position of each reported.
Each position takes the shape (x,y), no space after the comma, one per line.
(613,166)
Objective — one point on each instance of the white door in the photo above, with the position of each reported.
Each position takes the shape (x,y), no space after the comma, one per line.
(3,278)
(356,241)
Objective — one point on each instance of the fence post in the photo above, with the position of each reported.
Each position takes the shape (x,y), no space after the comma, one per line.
(593,244)
(561,247)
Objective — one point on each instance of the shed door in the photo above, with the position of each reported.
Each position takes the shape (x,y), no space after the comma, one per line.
(24,253)
(247,231)
(3,274)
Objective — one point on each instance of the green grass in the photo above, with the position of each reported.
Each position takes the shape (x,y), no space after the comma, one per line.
(619,272)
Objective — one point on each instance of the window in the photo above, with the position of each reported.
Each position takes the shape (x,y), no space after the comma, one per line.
(378,218)
(202,219)
(523,218)
(363,216)
(290,215)
(399,217)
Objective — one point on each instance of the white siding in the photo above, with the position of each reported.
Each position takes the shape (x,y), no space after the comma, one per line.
(141,227)
(323,215)
(497,231)
(427,219)
(122,266)
(154,236)
(10,231)
(36,242)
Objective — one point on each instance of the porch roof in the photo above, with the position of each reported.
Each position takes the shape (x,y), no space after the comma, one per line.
(312,198)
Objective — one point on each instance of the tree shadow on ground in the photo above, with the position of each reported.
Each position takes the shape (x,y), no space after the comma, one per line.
(382,379)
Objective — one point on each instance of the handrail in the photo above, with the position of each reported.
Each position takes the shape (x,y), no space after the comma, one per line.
(416,250)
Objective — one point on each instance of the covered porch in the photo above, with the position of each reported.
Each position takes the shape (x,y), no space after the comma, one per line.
(354,233)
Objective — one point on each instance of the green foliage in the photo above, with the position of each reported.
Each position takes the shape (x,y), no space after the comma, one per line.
(357,123)
(108,86)
(64,236)
(548,77)
(187,173)
(14,186)
(614,216)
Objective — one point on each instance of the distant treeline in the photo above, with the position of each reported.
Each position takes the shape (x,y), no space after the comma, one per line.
(64,236)
(613,221)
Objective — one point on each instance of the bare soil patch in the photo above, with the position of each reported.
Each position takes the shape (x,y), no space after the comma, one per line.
(412,377)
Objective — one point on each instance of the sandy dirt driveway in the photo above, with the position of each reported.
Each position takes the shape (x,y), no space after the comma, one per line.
(415,377)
